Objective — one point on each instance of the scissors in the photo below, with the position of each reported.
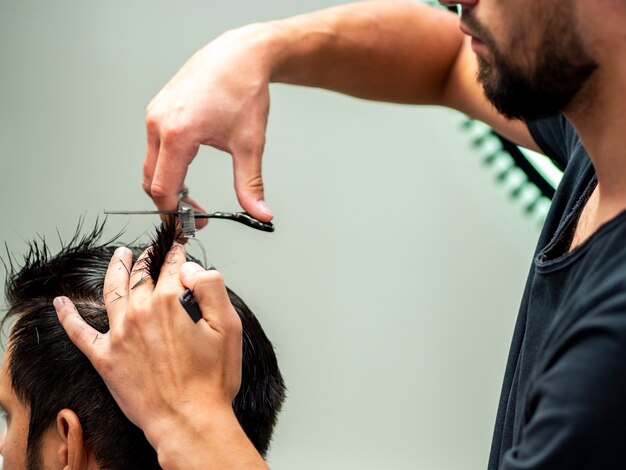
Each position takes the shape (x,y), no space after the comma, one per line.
(187,217)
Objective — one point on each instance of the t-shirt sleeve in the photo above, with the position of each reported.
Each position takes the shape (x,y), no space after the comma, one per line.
(553,135)
(576,408)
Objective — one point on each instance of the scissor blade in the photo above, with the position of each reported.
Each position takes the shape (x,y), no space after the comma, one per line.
(142,212)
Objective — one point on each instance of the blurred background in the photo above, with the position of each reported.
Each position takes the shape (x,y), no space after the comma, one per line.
(391,284)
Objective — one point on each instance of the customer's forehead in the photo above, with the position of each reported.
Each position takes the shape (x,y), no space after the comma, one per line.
(6,389)
(9,400)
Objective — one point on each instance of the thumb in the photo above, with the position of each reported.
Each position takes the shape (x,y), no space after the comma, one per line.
(210,292)
(249,185)
(188,273)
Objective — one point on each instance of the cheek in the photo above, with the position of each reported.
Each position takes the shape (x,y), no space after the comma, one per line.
(14,449)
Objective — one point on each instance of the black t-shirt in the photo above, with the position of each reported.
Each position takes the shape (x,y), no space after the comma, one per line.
(563,401)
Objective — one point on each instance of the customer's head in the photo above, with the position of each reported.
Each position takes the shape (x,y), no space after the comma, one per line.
(53,395)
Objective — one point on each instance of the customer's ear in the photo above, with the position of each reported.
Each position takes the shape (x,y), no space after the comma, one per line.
(71,451)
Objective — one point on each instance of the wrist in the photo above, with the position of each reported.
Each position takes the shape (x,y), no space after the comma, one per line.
(184,421)
(296,46)
(288,50)
(203,439)
(292,50)
(261,45)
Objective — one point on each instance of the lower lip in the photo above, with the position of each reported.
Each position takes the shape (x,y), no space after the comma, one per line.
(478,46)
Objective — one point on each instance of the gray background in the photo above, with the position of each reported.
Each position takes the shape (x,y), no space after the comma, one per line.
(391,284)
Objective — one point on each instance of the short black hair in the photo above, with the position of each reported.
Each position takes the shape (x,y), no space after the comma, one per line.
(48,373)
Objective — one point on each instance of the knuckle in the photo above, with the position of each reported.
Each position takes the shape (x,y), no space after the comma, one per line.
(251,138)
(253,185)
(166,296)
(118,338)
(76,335)
(209,279)
(256,183)
(152,120)
(158,192)
(138,273)
(236,324)
(253,148)
(109,284)
(110,295)
(175,254)
(148,168)
(146,185)
(232,324)
(102,365)
(172,133)
(152,128)
(138,310)
(135,317)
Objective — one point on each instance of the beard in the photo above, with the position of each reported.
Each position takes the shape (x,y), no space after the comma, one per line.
(545,86)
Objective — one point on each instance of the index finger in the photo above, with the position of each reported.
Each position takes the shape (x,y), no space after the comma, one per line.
(83,335)
(169,173)
(152,153)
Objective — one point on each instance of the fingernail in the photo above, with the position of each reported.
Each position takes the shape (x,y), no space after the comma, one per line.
(58,302)
(120,251)
(190,267)
(265,208)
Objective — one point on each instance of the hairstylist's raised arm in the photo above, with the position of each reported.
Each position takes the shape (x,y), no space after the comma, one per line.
(381,50)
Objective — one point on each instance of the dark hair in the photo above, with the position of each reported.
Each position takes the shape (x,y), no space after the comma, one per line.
(49,373)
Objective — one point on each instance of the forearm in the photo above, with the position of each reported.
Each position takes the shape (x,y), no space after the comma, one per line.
(381,50)
(204,440)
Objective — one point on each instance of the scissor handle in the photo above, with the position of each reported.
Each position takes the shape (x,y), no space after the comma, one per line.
(241,217)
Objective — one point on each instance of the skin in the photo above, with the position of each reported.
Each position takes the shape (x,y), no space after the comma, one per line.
(391,51)
(62,446)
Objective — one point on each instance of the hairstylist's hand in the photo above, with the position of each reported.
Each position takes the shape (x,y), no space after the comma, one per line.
(173,378)
(220,97)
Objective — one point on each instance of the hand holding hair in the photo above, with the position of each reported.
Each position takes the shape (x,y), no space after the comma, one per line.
(165,371)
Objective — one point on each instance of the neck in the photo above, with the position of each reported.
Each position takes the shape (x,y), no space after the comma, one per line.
(599,116)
